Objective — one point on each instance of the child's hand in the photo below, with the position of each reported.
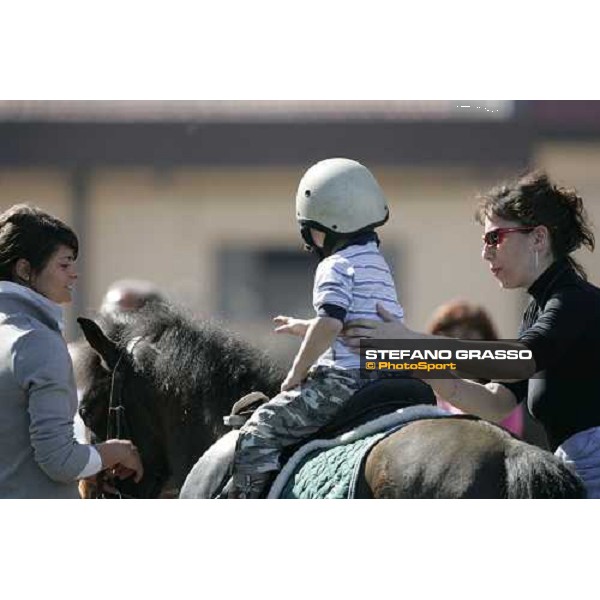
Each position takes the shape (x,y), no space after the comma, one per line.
(292,380)
(291,325)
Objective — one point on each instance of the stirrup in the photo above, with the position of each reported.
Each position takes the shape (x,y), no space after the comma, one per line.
(249,487)
(242,410)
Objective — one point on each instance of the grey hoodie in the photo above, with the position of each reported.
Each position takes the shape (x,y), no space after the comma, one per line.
(39,457)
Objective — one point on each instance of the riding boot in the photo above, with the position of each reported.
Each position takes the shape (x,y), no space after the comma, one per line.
(244,486)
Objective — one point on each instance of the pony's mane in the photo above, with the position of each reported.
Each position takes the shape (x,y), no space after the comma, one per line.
(196,363)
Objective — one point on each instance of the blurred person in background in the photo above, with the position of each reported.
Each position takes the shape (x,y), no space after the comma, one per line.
(531,228)
(39,456)
(127,295)
(462,320)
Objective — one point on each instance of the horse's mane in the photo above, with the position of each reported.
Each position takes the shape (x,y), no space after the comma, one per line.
(196,363)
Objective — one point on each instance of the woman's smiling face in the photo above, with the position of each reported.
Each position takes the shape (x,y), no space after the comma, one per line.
(56,280)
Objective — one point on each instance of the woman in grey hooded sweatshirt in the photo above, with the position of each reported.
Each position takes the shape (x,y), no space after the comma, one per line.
(39,457)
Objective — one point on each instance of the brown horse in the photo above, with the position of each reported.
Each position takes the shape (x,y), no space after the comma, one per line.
(166,381)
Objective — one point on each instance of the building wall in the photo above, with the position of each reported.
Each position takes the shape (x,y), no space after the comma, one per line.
(440,243)
(169,226)
(49,189)
(577,165)
(46,188)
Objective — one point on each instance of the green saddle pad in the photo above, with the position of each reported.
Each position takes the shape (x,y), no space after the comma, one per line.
(329,473)
(329,468)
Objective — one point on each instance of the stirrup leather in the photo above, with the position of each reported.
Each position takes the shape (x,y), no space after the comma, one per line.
(242,410)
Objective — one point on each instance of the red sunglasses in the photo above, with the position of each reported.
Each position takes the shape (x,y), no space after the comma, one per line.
(495,236)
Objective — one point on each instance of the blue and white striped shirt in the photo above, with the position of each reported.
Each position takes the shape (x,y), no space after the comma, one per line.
(354,279)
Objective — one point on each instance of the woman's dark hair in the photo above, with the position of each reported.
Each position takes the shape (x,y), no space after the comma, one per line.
(460,319)
(534,200)
(30,233)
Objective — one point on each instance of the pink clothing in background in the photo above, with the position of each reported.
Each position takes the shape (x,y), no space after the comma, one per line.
(514,422)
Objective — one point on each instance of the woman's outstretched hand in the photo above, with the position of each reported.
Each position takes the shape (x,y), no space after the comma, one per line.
(364,329)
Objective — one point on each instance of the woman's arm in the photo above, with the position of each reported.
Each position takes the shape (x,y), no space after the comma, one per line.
(391,329)
(491,401)
(42,367)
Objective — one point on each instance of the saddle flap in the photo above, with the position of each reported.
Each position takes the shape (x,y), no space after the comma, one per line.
(243,409)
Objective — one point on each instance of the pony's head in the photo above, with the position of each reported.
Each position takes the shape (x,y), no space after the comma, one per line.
(120,402)
(175,377)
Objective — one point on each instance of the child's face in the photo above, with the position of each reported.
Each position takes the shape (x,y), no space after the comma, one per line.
(318,237)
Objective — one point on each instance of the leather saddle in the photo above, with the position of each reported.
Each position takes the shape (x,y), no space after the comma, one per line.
(375,399)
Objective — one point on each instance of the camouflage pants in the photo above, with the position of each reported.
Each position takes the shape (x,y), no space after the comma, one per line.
(292,416)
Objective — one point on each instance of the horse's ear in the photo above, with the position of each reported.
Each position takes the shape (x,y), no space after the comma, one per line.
(98,340)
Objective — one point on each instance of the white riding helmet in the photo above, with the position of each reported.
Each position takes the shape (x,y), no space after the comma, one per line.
(340,195)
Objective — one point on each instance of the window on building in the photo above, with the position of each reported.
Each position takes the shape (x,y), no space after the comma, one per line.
(257,284)
(262,283)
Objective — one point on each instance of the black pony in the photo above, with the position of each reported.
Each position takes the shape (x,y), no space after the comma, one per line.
(179,377)
(176,378)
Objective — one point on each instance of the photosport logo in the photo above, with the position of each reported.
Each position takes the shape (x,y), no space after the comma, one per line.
(439,359)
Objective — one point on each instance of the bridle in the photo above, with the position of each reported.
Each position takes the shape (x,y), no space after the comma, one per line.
(116,422)
(116,425)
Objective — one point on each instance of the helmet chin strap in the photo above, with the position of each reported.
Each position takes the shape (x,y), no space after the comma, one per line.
(332,242)
(309,243)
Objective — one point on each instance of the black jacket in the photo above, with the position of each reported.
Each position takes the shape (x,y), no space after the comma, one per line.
(561,326)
